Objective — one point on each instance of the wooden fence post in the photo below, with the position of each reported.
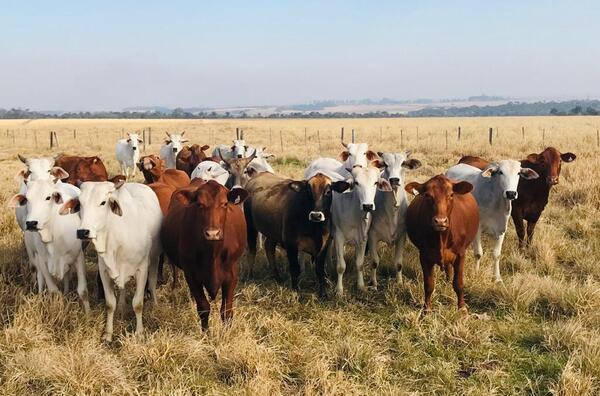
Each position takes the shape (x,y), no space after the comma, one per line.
(319,141)
(597,138)
(35,137)
(74,133)
(459,133)
(270,138)
(144,139)
(417,135)
(149,136)
(281,140)
(342,134)
(380,134)
(523,132)
(51,139)
(401,138)
(305,137)
(543,136)
(491,137)
(446,140)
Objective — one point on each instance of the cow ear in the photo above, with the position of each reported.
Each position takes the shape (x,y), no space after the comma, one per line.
(568,157)
(17,200)
(140,141)
(118,182)
(117,179)
(57,197)
(237,196)
(411,164)
(344,155)
(22,159)
(251,172)
(205,147)
(462,187)
(414,188)
(378,163)
(533,158)
(489,172)
(371,155)
(140,166)
(115,207)
(71,206)
(340,186)
(186,196)
(528,174)
(58,173)
(383,185)
(21,176)
(297,185)
(380,153)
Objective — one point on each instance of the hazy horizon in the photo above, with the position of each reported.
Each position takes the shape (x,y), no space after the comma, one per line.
(72,56)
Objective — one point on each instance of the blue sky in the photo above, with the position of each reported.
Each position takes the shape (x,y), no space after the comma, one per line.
(108,55)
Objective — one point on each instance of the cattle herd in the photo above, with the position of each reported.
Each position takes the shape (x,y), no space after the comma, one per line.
(201,212)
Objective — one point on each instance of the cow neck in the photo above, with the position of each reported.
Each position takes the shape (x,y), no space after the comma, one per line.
(391,208)
(541,183)
(444,240)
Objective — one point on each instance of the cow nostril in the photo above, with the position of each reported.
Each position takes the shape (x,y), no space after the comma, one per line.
(239,155)
(134,148)
(212,234)
(511,195)
(368,207)
(83,234)
(174,150)
(441,221)
(31,225)
(394,181)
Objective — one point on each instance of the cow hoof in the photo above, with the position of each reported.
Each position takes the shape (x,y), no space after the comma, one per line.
(463,311)
(498,281)
(106,338)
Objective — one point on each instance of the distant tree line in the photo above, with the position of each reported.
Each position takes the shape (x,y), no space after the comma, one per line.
(572,107)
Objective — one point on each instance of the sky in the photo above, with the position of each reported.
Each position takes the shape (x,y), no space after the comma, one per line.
(107,55)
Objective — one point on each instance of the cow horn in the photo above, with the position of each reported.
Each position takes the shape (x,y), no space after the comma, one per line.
(168,135)
(182,133)
(221,156)
(119,184)
(22,159)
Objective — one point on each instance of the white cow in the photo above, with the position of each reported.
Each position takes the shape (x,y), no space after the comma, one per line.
(494,189)
(128,153)
(237,150)
(123,222)
(356,154)
(59,252)
(260,163)
(351,219)
(388,224)
(172,147)
(210,170)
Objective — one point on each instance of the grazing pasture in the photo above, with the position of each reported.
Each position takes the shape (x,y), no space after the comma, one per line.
(535,333)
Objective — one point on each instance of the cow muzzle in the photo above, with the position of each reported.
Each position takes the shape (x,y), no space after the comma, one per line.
(552,180)
(31,225)
(213,234)
(394,181)
(368,207)
(316,217)
(83,234)
(510,195)
(240,156)
(174,149)
(134,148)
(440,223)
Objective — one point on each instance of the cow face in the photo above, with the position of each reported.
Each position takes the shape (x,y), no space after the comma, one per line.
(149,162)
(319,189)
(549,162)
(260,163)
(506,174)
(88,169)
(394,164)
(438,195)
(357,154)
(37,169)
(96,203)
(176,142)
(212,201)
(238,150)
(237,168)
(366,182)
(134,140)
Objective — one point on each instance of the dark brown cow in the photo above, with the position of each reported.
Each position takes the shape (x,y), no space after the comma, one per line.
(294,215)
(441,222)
(532,194)
(82,169)
(189,157)
(477,162)
(204,234)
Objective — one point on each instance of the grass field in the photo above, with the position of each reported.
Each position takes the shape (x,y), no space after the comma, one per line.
(538,333)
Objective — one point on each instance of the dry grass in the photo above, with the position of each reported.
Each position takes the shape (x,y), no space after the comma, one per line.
(536,334)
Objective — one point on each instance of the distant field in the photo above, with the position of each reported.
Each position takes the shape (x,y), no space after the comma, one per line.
(535,334)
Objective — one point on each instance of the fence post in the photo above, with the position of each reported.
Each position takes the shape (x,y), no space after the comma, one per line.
(270,138)
(35,137)
(446,140)
(342,134)
(459,133)
(305,137)
(401,138)
(491,136)
(319,141)
(380,134)
(543,136)
(13,136)
(74,133)
(496,131)
(144,139)
(523,132)
(417,135)
(51,139)
(281,140)
(597,138)
(149,136)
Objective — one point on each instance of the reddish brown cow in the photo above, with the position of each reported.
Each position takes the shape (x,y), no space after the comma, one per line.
(82,169)
(154,171)
(204,234)
(441,222)
(532,194)
(189,157)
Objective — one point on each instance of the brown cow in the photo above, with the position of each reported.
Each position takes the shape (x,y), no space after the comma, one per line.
(189,157)
(82,169)
(293,214)
(532,194)
(204,234)
(441,222)
(238,169)
(154,171)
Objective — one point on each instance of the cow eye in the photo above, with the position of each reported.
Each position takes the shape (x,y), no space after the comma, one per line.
(102,203)
(48,198)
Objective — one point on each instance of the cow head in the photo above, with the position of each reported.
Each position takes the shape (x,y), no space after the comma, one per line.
(505,174)
(38,169)
(548,163)
(438,197)
(238,149)
(357,154)
(260,163)
(366,182)
(318,190)
(97,202)
(237,168)
(175,141)
(133,141)
(149,162)
(88,169)
(212,202)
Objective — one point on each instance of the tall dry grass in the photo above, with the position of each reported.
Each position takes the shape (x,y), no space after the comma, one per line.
(537,333)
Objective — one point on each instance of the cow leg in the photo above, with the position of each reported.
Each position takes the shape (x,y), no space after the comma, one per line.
(67,283)
(428,283)
(519,228)
(110,301)
(457,283)
(138,298)
(252,235)
(161,269)
(153,274)
(227,292)
(399,255)
(41,282)
(497,254)
(292,255)
(175,274)
(202,304)
(340,264)
(372,247)
(360,260)
(82,291)
(477,249)
(48,279)
(320,269)
(270,247)
(530,230)
(99,286)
